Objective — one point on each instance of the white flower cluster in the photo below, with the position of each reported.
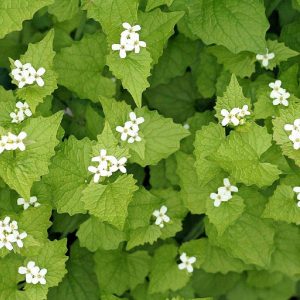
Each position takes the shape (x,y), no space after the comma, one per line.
(187,262)
(224,193)
(295,133)
(33,274)
(130,130)
(9,234)
(278,94)
(264,58)
(22,110)
(129,40)
(26,74)
(296,189)
(108,164)
(12,141)
(235,117)
(31,202)
(161,216)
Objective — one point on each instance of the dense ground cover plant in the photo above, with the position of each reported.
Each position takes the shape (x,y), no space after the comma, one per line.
(149,149)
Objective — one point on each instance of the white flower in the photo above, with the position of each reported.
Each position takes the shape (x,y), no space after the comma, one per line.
(24,108)
(17,117)
(227,187)
(220,197)
(40,277)
(37,75)
(295,126)
(24,78)
(6,241)
(102,158)
(126,131)
(135,121)
(130,31)
(230,117)
(295,138)
(282,99)
(98,171)
(18,237)
(137,44)
(3,143)
(244,112)
(32,202)
(16,141)
(121,165)
(161,216)
(123,47)
(264,58)
(186,262)
(134,138)
(20,67)
(29,271)
(277,89)
(186,126)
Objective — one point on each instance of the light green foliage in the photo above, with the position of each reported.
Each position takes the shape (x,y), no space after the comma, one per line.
(14,12)
(128,269)
(68,175)
(133,71)
(80,282)
(20,169)
(109,202)
(155,3)
(64,9)
(282,206)
(94,234)
(40,55)
(281,136)
(240,156)
(224,23)
(164,274)
(241,64)
(232,97)
(84,62)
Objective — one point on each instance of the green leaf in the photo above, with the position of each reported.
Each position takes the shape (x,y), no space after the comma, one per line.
(94,234)
(240,156)
(7,105)
(68,175)
(282,53)
(241,64)
(164,274)
(14,12)
(226,214)
(214,259)
(52,257)
(282,206)
(207,141)
(176,100)
(287,247)
(21,168)
(111,14)
(189,182)
(139,227)
(160,136)
(206,71)
(64,9)
(133,71)
(109,202)
(157,27)
(84,62)
(155,3)
(39,55)
(127,269)
(250,239)
(232,97)
(281,137)
(224,23)
(80,283)
(179,54)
